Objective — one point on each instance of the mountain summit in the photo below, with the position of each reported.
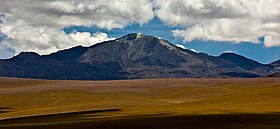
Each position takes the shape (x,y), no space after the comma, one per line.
(132,36)
(132,56)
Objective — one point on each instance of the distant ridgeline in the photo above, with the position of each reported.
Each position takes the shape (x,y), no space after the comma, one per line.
(133,56)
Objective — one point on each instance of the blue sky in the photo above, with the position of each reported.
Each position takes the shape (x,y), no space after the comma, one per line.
(209,26)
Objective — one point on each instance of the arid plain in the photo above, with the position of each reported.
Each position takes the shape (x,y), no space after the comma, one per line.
(141,104)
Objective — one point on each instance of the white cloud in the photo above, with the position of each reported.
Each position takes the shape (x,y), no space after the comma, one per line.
(272,40)
(1,18)
(220,30)
(45,40)
(195,50)
(181,46)
(37,25)
(229,51)
(224,20)
(102,13)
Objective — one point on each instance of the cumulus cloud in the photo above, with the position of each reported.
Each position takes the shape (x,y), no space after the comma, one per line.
(44,40)
(1,18)
(272,40)
(102,13)
(37,25)
(181,46)
(224,20)
(195,50)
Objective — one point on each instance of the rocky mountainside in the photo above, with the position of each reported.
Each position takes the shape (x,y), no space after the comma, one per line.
(132,56)
(276,64)
(246,63)
(275,75)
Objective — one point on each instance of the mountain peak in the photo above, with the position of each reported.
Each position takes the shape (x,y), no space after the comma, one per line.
(246,63)
(136,37)
(23,55)
(229,53)
(132,36)
(235,58)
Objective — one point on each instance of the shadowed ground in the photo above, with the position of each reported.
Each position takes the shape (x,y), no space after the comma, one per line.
(4,109)
(78,120)
(140,104)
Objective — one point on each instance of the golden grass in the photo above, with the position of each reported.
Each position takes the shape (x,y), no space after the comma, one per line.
(27,97)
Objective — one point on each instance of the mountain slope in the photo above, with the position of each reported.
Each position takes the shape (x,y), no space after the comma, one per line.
(131,56)
(247,64)
(275,75)
(276,64)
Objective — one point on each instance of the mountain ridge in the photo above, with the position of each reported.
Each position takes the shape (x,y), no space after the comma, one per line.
(133,56)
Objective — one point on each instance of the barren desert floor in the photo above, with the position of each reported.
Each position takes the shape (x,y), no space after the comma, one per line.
(140,104)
